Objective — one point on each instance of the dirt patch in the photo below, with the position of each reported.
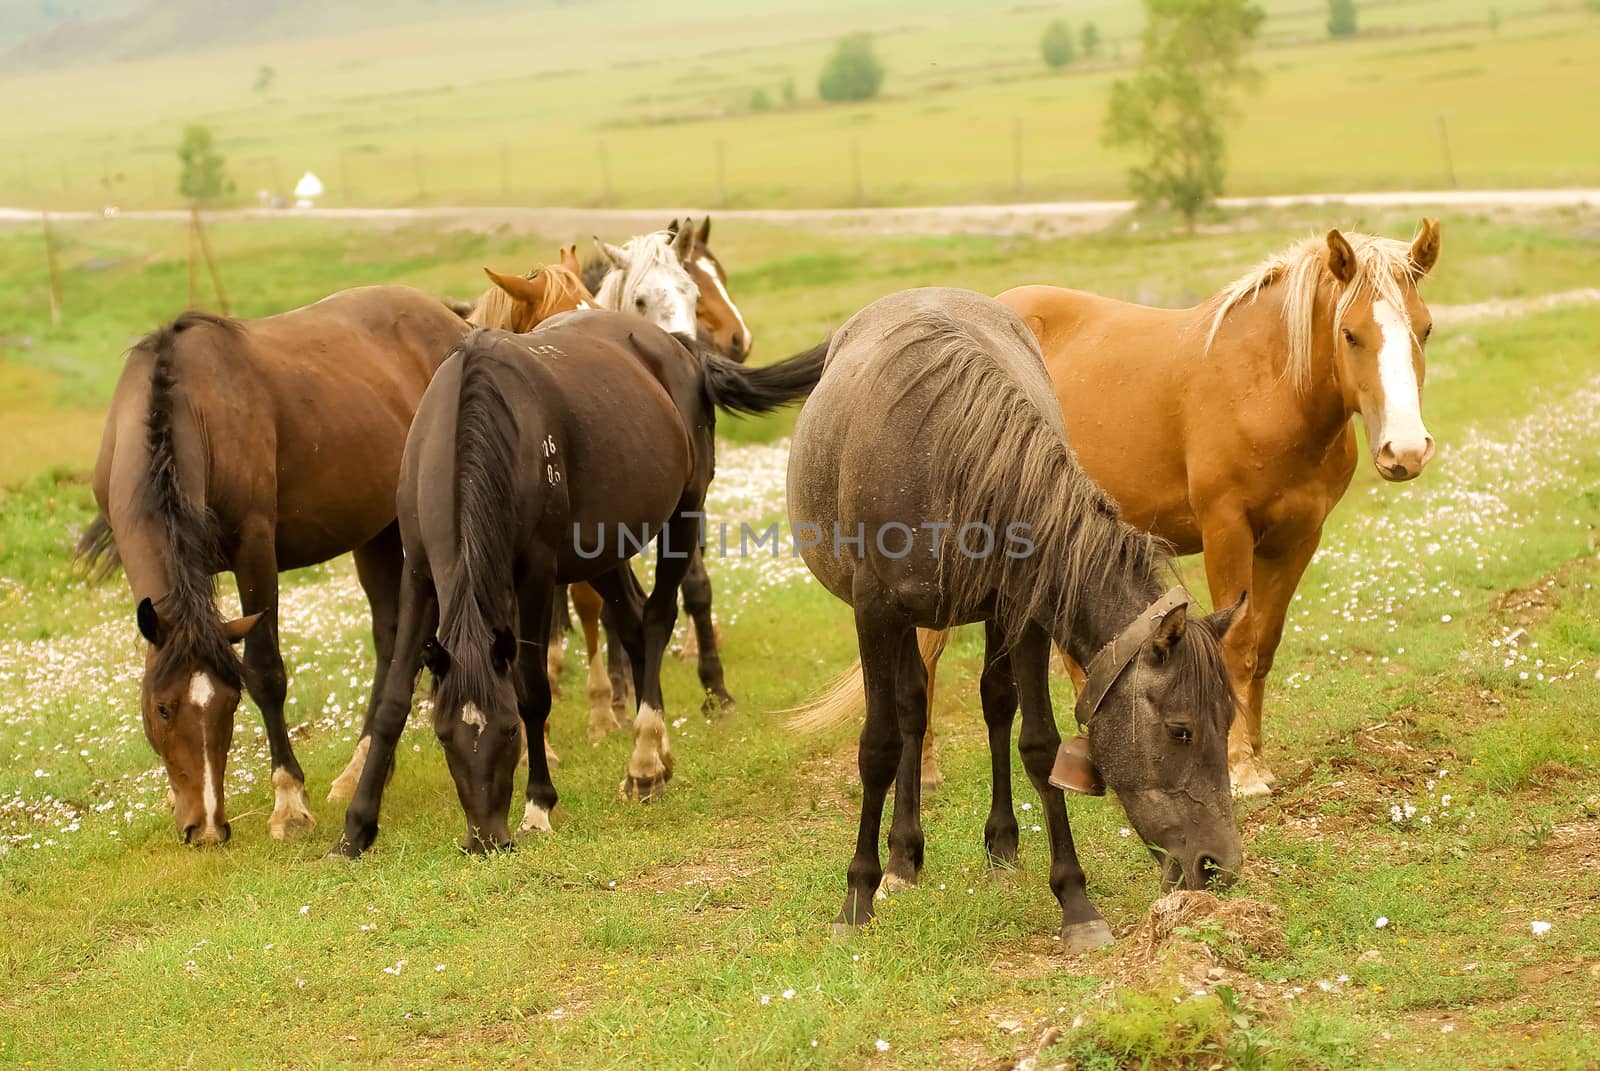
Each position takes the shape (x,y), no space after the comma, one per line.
(1198,940)
(1360,776)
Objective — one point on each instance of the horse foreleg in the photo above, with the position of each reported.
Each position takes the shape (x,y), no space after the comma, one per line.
(997,689)
(1082,927)
(256,570)
(536,609)
(930,644)
(556,652)
(906,841)
(1229,545)
(1276,579)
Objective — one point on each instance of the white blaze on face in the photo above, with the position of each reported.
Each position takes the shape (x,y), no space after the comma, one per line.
(471,715)
(710,271)
(1402,399)
(201,691)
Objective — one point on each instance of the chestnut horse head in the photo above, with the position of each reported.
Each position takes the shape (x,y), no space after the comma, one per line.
(520,302)
(1351,305)
(719,320)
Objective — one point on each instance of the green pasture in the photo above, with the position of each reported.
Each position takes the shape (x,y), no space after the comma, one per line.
(608,104)
(1434,719)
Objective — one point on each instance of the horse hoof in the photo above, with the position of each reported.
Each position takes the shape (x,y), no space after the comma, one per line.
(550,756)
(932,779)
(1003,852)
(343,848)
(718,706)
(535,819)
(289,811)
(895,881)
(1248,781)
(841,931)
(1081,937)
(643,789)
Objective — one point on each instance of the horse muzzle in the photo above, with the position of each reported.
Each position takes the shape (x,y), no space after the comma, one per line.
(1401,460)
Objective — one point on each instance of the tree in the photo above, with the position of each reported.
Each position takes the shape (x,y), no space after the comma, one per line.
(1341,18)
(759,101)
(1056,44)
(852,72)
(1090,39)
(790,94)
(200,174)
(1176,104)
(264,77)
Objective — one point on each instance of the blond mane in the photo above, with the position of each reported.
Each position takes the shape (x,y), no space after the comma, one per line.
(1384,267)
(563,292)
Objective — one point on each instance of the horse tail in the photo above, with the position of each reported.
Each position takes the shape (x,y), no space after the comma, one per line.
(739,388)
(486,437)
(845,697)
(96,552)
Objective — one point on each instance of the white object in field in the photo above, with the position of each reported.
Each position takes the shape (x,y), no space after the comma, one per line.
(307,190)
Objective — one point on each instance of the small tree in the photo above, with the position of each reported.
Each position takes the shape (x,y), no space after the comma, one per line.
(200,166)
(759,101)
(1179,98)
(1341,18)
(1090,39)
(852,72)
(1056,44)
(790,94)
(264,77)
(1494,20)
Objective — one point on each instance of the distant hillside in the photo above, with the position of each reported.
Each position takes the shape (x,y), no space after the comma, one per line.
(42,34)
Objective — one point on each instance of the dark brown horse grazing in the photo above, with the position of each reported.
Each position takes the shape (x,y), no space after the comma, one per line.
(930,484)
(255,446)
(536,460)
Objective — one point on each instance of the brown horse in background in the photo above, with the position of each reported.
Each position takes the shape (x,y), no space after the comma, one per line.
(255,446)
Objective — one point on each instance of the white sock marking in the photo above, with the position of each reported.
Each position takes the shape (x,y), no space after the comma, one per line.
(535,818)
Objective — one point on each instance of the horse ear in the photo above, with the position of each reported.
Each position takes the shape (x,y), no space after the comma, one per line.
(569,259)
(1341,258)
(436,658)
(1222,620)
(527,291)
(704,237)
(237,629)
(1169,631)
(683,243)
(672,228)
(150,626)
(615,255)
(1425,247)
(504,651)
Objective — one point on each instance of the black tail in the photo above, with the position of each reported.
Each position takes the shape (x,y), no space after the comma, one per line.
(741,389)
(97,549)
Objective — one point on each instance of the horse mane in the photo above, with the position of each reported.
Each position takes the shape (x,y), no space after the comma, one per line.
(190,541)
(486,445)
(646,253)
(1383,265)
(563,292)
(1007,462)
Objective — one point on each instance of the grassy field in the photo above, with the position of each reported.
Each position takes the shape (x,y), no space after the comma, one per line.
(1434,717)
(583,104)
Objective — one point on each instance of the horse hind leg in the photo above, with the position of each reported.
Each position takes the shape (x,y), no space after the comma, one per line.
(931,644)
(697,601)
(998,691)
(589,606)
(556,652)
(378,565)
(906,841)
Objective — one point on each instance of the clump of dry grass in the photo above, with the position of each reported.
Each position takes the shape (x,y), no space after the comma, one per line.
(1186,933)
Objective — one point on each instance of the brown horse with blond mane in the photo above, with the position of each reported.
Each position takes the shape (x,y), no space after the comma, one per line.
(1226,429)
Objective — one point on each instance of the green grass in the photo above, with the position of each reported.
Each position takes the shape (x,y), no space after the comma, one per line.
(521,107)
(649,937)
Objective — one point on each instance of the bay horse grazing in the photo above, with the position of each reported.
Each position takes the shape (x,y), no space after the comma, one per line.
(536,460)
(932,480)
(255,446)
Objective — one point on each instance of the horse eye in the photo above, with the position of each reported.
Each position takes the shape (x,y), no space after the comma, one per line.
(165,710)
(638,303)
(1180,733)
(1427,332)
(1350,337)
